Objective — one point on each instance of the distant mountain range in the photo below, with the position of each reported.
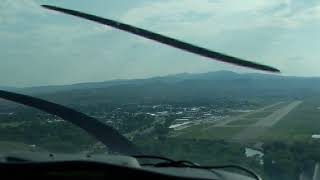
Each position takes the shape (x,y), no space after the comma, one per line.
(178,78)
(185,87)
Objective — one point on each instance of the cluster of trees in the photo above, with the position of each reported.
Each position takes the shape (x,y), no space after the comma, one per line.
(133,122)
(55,137)
(281,160)
(288,160)
(205,152)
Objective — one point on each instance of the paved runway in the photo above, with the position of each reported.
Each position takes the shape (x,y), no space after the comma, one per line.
(225,122)
(263,124)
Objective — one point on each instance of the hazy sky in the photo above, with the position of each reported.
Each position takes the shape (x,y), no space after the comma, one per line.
(39,47)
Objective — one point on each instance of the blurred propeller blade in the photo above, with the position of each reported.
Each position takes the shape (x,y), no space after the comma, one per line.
(165,40)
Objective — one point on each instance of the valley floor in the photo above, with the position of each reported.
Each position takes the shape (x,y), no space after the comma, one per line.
(252,126)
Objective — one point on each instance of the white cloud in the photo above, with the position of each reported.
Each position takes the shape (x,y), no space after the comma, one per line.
(12,10)
(243,24)
(266,31)
(212,17)
(27,21)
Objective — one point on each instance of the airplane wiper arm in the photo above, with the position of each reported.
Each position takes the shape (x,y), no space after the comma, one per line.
(104,133)
(189,164)
(165,40)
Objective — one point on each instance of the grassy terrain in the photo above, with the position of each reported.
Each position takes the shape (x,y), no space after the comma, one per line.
(10,124)
(198,132)
(266,112)
(255,117)
(298,125)
(9,147)
(259,114)
(276,107)
(204,131)
(244,121)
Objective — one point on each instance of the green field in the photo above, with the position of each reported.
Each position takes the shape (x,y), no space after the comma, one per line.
(298,125)
(276,107)
(266,112)
(200,132)
(10,124)
(9,147)
(209,131)
(244,121)
(260,114)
